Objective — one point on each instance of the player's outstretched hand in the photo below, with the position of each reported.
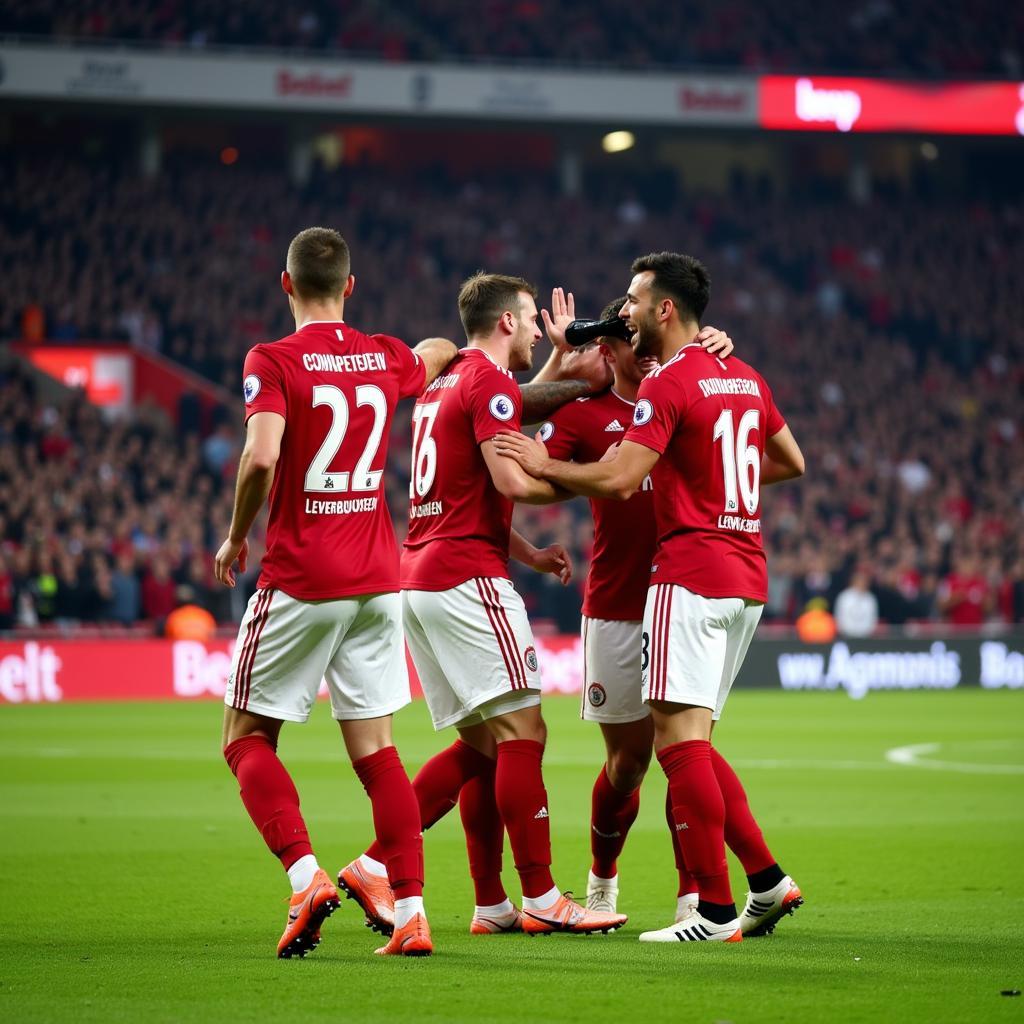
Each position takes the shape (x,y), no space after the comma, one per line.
(717,342)
(555,560)
(530,453)
(225,558)
(563,312)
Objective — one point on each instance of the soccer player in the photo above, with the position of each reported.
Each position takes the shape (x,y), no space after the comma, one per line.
(318,410)
(708,433)
(625,537)
(466,625)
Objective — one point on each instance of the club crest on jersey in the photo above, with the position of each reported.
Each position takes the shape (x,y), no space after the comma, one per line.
(251,387)
(547,430)
(596,695)
(642,413)
(502,408)
(530,657)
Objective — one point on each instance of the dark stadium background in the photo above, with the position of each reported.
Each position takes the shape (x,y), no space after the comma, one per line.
(874,276)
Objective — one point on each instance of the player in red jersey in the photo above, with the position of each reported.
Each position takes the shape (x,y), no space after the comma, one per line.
(625,537)
(466,625)
(709,434)
(318,409)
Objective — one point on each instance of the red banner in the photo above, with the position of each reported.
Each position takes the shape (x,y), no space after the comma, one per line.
(810,103)
(45,671)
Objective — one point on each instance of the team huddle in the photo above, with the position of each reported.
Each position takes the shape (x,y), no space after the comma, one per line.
(668,434)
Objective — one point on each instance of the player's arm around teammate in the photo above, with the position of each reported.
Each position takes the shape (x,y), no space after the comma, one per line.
(701,614)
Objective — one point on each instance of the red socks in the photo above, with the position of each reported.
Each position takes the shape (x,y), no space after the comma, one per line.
(687,883)
(438,782)
(485,836)
(523,803)
(269,796)
(612,813)
(699,812)
(396,819)
(742,832)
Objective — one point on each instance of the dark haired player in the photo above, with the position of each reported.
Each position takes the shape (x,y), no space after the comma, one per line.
(318,410)
(709,434)
(467,627)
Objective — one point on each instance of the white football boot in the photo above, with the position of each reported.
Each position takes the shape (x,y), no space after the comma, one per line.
(602,893)
(763,910)
(695,928)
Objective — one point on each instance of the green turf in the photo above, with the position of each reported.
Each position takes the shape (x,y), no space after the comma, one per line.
(135,889)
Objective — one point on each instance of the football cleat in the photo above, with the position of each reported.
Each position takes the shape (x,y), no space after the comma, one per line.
(412,939)
(602,893)
(686,905)
(307,910)
(565,915)
(372,893)
(763,910)
(695,928)
(484,924)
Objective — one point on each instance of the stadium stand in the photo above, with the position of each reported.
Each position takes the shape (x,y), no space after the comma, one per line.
(186,262)
(915,38)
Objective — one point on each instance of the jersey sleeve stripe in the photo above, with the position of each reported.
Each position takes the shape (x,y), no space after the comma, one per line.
(499,635)
(263,614)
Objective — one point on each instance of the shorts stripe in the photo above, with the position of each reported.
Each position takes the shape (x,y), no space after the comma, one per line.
(262,613)
(236,696)
(484,588)
(510,632)
(655,667)
(583,702)
(659,643)
(667,624)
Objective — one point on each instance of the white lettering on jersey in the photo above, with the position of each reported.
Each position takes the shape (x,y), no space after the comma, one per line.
(428,508)
(358,362)
(339,508)
(729,386)
(739,524)
(448,380)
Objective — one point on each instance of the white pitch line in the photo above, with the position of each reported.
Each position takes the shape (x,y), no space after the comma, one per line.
(917,755)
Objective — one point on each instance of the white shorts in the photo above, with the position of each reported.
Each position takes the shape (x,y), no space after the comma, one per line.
(612,691)
(692,646)
(473,650)
(286,648)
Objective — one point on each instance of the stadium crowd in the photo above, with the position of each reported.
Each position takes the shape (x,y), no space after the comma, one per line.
(859,315)
(913,38)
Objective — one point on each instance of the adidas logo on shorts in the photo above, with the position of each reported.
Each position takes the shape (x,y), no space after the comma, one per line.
(542,813)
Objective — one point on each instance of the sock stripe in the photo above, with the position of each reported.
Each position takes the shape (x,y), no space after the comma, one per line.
(499,632)
(262,614)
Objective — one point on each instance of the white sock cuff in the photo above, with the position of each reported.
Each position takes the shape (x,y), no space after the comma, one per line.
(542,902)
(373,866)
(502,909)
(301,873)
(604,883)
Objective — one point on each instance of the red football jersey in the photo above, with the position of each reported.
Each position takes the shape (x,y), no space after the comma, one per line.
(330,533)
(625,534)
(709,419)
(459,522)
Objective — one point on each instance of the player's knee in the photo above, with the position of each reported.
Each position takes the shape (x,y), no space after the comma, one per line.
(627,768)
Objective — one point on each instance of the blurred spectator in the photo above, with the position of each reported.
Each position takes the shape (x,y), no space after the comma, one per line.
(856,610)
(159,598)
(125,603)
(914,37)
(965,596)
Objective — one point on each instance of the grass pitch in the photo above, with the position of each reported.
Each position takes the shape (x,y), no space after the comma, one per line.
(135,888)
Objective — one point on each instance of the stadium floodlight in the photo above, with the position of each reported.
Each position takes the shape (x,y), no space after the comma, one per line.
(617,142)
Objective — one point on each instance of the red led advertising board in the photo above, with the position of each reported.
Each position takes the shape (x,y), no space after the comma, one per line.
(825,104)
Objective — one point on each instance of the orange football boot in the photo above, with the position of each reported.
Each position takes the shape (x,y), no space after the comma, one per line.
(372,893)
(413,939)
(568,916)
(307,910)
(481,925)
